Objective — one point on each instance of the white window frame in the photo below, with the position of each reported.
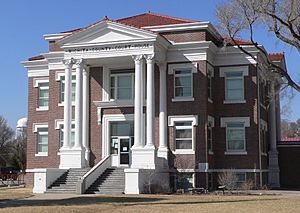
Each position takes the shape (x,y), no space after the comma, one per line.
(36,127)
(245,72)
(211,125)
(131,74)
(210,75)
(246,123)
(58,77)
(171,71)
(37,84)
(172,120)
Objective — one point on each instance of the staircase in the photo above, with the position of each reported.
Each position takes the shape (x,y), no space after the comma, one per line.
(112,181)
(67,182)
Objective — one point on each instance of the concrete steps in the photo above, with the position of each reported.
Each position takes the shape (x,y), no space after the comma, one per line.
(66,183)
(112,181)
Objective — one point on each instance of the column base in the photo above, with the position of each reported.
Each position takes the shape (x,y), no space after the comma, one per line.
(72,158)
(162,157)
(143,157)
(273,174)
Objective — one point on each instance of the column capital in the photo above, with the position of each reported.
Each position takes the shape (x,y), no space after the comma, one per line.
(149,58)
(79,62)
(161,64)
(68,62)
(137,58)
(86,69)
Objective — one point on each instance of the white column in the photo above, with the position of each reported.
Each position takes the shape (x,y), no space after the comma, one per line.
(138,104)
(68,103)
(78,105)
(150,101)
(273,154)
(278,117)
(162,107)
(143,101)
(85,113)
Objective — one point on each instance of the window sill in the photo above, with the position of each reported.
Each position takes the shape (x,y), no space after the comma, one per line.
(41,154)
(210,100)
(183,152)
(42,109)
(236,153)
(210,152)
(264,154)
(183,99)
(234,101)
(63,104)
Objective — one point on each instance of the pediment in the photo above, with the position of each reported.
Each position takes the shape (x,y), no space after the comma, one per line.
(106,32)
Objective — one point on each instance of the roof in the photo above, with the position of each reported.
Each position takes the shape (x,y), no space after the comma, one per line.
(152,19)
(35,58)
(290,139)
(276,56)
(239,41)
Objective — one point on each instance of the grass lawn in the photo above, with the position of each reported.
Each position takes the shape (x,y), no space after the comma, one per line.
(157,203)
(12,194)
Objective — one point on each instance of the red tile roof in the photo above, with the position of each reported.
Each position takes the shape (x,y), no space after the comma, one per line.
(238,41)
(152,19)
(35,58)
(290,139)
(276,56)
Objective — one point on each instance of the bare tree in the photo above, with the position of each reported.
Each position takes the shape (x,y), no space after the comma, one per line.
(280,17)
(18,150)
(6,136)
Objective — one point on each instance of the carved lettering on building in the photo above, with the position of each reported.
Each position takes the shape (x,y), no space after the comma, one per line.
(110,48)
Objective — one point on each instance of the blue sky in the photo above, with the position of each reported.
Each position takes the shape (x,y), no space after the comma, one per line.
(23,24)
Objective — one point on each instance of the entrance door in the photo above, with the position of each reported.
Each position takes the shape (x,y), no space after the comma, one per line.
(124,151)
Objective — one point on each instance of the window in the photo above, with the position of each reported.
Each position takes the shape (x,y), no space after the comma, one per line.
(209,84)
(235,132)
(210,137)
(119,129)
(62,88)
(184,181)
(183,83)
(263,136)
(241,177)
(122,84)
(43,100)
(61,135)
(42,140)
(183,135)
(234,86)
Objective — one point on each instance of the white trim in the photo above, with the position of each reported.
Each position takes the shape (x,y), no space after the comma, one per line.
(184,151)
(38,68)
(244,69)
(245,120)
(172,67)
(36,126)
(177,118)
(236,153)
(182,99)
(41,154)
(44,108)
(106,129)
(224,170)
(234,101)
(37,81)
(61,73)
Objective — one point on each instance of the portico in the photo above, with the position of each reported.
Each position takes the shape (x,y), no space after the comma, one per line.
(105,44)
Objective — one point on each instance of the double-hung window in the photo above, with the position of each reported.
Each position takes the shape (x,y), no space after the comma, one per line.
(183,135)
(183,83)
(42,140)
(235,136)
(61,135)
(234,83)
(43,99)
(62,88)
(234,86)
(122,84)
(210,137)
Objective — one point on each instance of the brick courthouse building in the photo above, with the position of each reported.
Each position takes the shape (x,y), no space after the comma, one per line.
(120,100)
